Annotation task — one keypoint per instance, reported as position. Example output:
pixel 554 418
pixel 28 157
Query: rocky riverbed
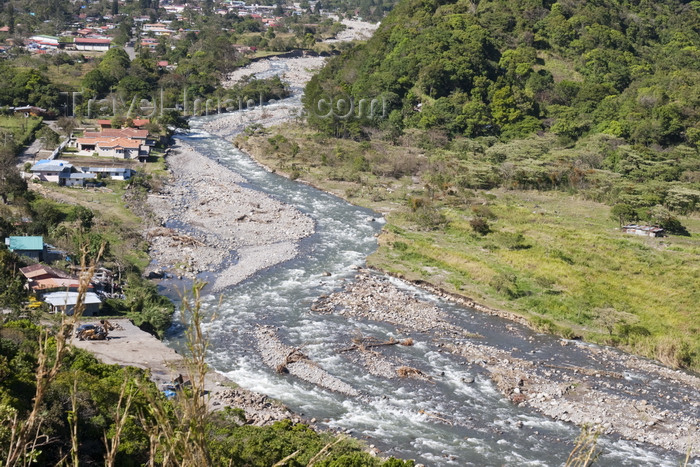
pixel 287 359
pixel 612 392
pixel 210 222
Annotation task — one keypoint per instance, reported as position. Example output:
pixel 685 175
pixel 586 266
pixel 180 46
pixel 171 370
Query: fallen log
pixel 364 344
pixel 295 355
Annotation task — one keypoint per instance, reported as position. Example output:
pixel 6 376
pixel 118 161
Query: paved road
pixel 30 154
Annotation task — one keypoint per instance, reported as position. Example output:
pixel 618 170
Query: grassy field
pixel 20 129
pixel 69 77
pixel 552 256
pixel 113 220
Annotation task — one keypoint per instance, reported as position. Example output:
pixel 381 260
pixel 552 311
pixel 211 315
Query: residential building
pixel 51 170
pixel 76 179
pixel 45 279
pixel 92 44
pixel 65 302
pixel 29 246
pixel 115 173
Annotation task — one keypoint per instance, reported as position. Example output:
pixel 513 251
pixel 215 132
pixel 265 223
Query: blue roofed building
pixel 56 171
pixel 30 246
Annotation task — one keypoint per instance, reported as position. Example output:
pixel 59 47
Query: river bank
pixel 127 345
pixel 211 223
pixel 610 393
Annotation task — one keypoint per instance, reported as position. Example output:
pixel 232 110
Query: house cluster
pixel 66 174
pixel 59 289
pixel 90 42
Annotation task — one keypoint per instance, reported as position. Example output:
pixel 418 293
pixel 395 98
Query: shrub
pixel 507 284
pixel 480 225
pixel 483 211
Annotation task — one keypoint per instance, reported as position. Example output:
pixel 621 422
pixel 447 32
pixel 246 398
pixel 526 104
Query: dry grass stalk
pixel 284 461
pixel 585 452
pixel 73 422
pixel 320 454
pixel 121 415
pixel 179 437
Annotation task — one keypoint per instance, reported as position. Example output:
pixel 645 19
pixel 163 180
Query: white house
pixel 116 147
pixel 51 170
pixel 92 44
pixel 65 302
pixel 76 178
pixel 115 173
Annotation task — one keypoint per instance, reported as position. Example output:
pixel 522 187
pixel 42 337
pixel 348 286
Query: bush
pixel 480 225
pixel 508 284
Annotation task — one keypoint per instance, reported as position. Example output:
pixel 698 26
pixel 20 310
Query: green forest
pixel 509 69
pixel 605 94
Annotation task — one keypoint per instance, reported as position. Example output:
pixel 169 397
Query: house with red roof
pixel 118 143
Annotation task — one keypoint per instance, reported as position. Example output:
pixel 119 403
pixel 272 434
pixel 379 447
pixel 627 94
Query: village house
pixel 28 111
pixel 149 43
pixel 59 290
pixel 51 170
pixel 119 143
pixel 65 302
pixel 115 173
pixel 643 230
pixel 42 279
pixel 29 246
pixel 140 123
pixel 115 147
pixel 43 42
pixel 78 179
pixel 93 44
pixel 158 29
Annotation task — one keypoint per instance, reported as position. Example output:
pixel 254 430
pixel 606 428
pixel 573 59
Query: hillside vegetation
pixel 510 68
pixel 553 256
pixel 598 98
pixel 509 141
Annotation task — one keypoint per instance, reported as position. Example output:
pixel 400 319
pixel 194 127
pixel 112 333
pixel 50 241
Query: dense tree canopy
pixel 508 69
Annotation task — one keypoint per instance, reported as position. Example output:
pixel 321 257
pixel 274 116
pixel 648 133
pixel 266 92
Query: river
pixel 391 414
pixel 458 417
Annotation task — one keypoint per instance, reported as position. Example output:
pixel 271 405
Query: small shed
pixel 643 230
pixel 30 246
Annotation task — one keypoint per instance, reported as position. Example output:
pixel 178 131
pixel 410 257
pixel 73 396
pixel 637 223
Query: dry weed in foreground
pixel 585 452
pixel 26 437
pixel 178 437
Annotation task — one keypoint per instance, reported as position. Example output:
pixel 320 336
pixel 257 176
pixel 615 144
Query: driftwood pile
pixel 366 343
pixel 295 355
pixel 178 238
